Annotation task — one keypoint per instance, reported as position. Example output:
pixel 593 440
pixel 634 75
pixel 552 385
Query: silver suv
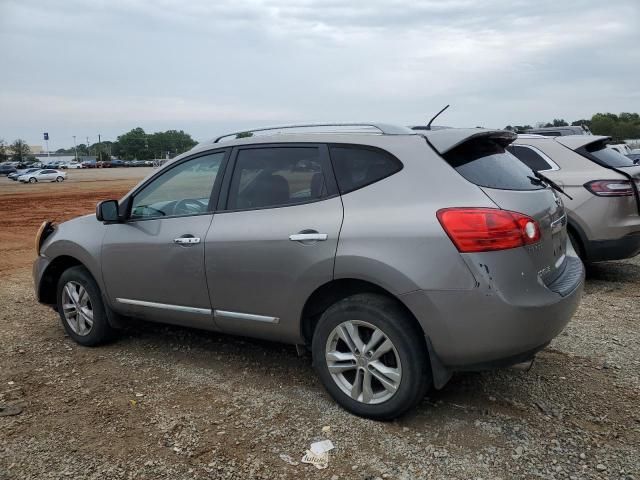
pixel 396 257
pixel 603 211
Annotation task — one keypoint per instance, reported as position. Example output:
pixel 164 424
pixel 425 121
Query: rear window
pixel 604 155
pixel 487 164
pixel 529 157
pixel 357 166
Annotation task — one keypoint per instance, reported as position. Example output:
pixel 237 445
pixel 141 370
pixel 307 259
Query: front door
pixel 153 263
pixel 274 240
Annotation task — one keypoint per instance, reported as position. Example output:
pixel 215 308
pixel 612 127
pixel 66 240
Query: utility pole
pixel 88 151
pixel 75 147
pixel 99 149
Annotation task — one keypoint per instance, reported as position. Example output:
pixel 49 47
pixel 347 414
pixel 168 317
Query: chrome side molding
pixel 245 316
pixel 164 306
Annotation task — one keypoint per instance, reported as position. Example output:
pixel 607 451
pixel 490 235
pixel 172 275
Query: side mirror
pixel 107 211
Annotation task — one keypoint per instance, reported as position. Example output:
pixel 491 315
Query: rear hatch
pixel 595 149
pixel 480 157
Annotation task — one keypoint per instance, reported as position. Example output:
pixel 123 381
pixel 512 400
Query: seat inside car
pixel 269 189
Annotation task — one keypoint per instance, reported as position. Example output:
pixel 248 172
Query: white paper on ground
pixel 321 447
pixel 320 461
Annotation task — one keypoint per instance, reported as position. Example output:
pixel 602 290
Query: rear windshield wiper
pixel 544 179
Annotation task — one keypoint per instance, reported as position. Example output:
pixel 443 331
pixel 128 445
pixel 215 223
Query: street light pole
pixel 75 147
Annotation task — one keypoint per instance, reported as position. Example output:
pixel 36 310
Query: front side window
pixel 275 177
pixel 357 166
pixel 529 157
pixel 182 190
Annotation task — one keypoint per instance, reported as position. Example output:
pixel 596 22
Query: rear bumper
pixel 486 327
pixel 618 249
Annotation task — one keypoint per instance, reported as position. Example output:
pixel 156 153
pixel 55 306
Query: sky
pixel 89 67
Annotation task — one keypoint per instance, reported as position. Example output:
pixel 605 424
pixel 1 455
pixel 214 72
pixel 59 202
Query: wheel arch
pixel 335 290
pixel 578 233
pixel 47 288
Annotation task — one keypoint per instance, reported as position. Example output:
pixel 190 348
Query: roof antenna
pixel 435 116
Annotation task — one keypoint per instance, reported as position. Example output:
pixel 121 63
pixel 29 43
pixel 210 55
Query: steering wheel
pixel 189 206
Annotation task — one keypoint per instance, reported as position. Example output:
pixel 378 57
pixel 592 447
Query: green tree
pixel 20 151
pixel 3 151
pixel 557 122
pixel 620 127
pixel 135 145
pixel 173 142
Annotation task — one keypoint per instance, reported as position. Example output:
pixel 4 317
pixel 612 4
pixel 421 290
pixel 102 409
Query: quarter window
pixel 529 157
pixel 357 166
pixel 276 176
pixel 182 190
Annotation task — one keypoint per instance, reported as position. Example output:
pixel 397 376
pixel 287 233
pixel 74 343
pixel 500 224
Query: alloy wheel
pixel 363 362
pixel 77 308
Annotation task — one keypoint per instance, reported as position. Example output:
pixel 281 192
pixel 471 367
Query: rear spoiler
pixel 574 142
pixel 445 140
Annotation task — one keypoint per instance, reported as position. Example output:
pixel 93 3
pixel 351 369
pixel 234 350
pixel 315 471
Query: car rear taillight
pixel 610 188
pixel 488 229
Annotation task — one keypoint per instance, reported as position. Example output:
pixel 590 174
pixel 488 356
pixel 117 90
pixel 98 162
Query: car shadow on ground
pixel 464 393
pixel 613 272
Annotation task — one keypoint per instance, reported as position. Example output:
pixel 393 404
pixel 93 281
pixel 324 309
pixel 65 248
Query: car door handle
pixel 306 237
pixel 186 240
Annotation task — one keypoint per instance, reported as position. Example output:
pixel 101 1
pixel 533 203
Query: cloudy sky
pixel 80 67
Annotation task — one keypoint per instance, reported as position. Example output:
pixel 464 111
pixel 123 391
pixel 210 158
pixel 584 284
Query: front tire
pixel 81 308
pixel 371 356
pixel 60 179
pixel 32 180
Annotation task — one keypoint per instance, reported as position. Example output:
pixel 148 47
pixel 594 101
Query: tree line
pixel 136 144
pixel 620 127
pixel 133 145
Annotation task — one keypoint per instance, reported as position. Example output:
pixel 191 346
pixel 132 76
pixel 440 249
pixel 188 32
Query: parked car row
pixel 117 163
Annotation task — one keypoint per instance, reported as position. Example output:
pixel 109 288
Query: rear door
pixel 511 185
pixel 273 240
pixel 46 175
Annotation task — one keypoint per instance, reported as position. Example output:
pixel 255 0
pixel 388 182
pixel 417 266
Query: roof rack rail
pixel 383 128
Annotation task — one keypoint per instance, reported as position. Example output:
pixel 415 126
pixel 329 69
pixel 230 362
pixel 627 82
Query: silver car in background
pixel 396 257
pixel 43 175
pixel 604 209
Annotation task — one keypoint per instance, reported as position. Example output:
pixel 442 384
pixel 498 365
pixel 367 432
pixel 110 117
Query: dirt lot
pixel 166 402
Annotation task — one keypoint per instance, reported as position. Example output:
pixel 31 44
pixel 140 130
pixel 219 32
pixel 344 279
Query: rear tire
pixel 577 246
pixel 33 180
pixel 348 360
pixel 81 308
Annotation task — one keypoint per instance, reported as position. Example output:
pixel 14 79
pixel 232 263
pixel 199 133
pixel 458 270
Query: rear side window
pixel 277 177
pixel 604 155
pixel 356 166
pixel 529 157
pixel 487 164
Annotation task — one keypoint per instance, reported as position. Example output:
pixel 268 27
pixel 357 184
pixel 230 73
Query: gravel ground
pixel 167 402
pixel 173 403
